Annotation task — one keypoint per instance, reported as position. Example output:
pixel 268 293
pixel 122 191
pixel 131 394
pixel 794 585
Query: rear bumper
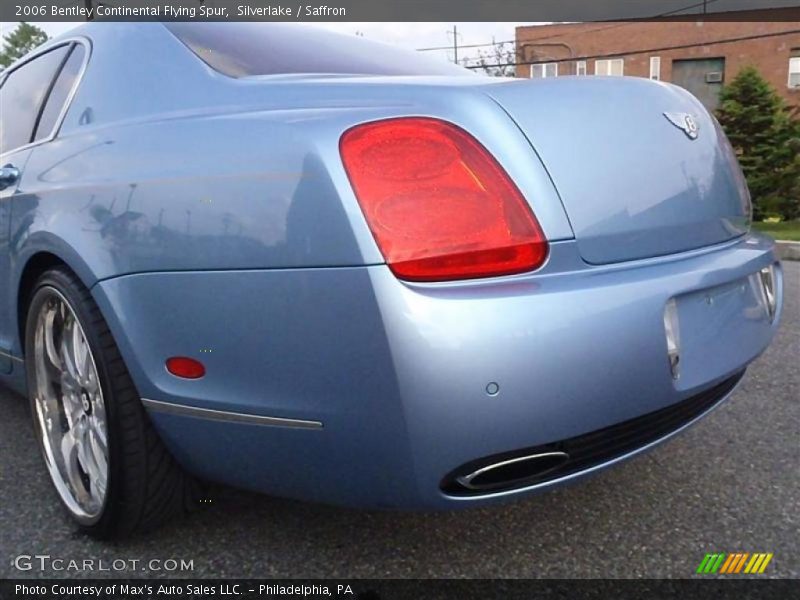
pixel 564 459
pixel 402 378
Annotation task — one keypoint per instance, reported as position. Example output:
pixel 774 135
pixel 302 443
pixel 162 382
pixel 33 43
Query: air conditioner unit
pixel 714 77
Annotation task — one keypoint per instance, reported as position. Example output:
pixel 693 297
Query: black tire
pixel 145 486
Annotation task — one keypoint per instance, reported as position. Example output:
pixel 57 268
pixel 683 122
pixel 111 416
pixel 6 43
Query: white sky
pixel 407 35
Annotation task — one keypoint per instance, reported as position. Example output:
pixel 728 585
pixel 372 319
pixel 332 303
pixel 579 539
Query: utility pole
pixel 455 43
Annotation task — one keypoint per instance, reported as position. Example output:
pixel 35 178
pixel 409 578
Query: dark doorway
pixel 703 77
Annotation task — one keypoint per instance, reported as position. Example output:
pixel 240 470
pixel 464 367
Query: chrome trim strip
pixel 466 480
pixel 221 415
pixel 87 45
pixel 12 357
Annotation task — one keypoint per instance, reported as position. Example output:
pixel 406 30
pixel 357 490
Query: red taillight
pixel 439 205
pixel 187 368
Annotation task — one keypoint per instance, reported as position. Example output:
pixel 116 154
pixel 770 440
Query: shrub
pixel 766 137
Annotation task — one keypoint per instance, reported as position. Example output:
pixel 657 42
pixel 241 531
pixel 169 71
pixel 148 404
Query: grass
pixel 785 230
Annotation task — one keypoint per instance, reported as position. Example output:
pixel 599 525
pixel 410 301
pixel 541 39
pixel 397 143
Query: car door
pixel 9 180
pixel 33 97
pixel 8 185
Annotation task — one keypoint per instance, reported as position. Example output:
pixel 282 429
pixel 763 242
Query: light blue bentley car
pixel 323 268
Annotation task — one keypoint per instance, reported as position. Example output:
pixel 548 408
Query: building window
pixel 544 70
pixel 613 66
pixel 580 67
pixel 655 68
pixel 794 69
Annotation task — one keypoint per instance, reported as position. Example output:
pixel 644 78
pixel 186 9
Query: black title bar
pixel 391 10
pixel 741 588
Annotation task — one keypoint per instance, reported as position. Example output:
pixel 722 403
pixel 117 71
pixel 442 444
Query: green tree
pixel 766 137
pixel 499 61
pixel 21 41
pixel 786 200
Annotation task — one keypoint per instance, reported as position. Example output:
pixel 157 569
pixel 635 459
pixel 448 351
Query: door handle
pixel 9 175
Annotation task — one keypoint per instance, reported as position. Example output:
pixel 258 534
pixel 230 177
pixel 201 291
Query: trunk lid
pixel 634 183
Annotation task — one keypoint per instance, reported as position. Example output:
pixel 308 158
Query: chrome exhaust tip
pixel 513 472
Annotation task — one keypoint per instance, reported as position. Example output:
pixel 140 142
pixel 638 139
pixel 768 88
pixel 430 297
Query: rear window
pixel 59 94
pixel 22 94
pixel 250 49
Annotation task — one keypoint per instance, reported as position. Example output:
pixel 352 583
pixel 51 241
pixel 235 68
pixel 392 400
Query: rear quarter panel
pixel 212 192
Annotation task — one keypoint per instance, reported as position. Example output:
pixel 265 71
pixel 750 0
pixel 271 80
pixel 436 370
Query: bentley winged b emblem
pixel 686 122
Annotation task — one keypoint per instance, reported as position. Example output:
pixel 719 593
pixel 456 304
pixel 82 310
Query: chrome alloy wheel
pixel 70 411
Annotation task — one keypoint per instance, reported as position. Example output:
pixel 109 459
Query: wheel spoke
pixel 67 352
pixel 69 454
pixel 72 408
pixel 52 372
pixel 99 409
pixel 93 460
pixel 92 385
pixel 100 436
pixel 99 451
pixel 49 330
pixel 81 353
pixel 85 456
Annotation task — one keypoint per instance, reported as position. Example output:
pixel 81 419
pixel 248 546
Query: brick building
pixel 700 53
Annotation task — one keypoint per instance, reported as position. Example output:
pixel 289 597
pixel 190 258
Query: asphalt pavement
pixel 731 483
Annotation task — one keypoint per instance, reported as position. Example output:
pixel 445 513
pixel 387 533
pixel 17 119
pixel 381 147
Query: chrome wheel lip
pixel 69 409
